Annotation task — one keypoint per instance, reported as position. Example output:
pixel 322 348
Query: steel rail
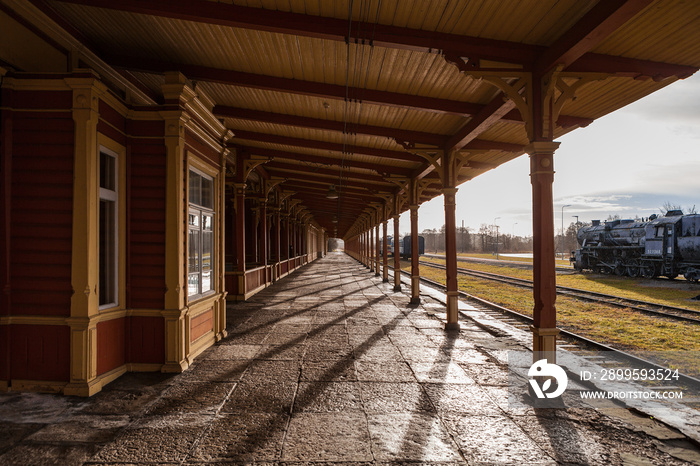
pixel 617 301
pixel 587 341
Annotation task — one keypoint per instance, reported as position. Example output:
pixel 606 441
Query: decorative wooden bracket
pixel 285 194
pixel 520 92
pixel 567 90
pixel 252 163
pixel 268 185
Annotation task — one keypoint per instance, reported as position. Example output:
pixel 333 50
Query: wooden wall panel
pixel 146 340
pixel 5 352
pixel 40 352
pixel 201 324
pixel 42 203
pixel 111 345
pixel 202 150
pixel 147 183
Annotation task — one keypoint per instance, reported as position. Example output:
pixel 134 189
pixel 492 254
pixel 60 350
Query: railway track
pixel 658 310
pixel 568 340
pixel 500 262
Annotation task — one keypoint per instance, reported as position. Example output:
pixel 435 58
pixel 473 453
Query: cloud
pixel 675 103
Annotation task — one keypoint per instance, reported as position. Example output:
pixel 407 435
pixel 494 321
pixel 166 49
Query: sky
pixel 628 163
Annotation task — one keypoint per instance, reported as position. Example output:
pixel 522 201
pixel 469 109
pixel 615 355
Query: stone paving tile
pixel 402 397
pixel 243 339
pixel 242 438
pixel 440 372
pixel 412 437
pixel 260 370
pixel 196 397
pixel 328 352
pixel 565 440
pixel 376 349
pixel 326 397
pixel 151 444
pixel 316 371
pixel 431 354
pixel 286 352
pixel 267 396
pixel 49 454
pixel 328 371
pixel 215 371
pixel 228 352
pixel 285 339
pixel 494 439
pixel 462 398
pixel 327 437
pixel 387 371
pixel 80 429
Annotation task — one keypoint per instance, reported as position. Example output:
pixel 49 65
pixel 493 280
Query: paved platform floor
pixel 329 366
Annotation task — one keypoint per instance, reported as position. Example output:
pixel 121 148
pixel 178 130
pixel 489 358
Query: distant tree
pixel 484 233
pixel 612 217
pixel 668 206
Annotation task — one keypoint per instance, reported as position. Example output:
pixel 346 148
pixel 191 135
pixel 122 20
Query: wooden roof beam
pixel 318 27
pixel 295 86
pixel 323 145
pixel 599 23
pixel 330 161
pixel 493 112
pixel 319 203
pixel 318 123
pixel 326 181
pixel 304 170
pixel 628 67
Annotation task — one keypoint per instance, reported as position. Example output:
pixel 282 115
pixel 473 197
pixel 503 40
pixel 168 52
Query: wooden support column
pixel 376 249
pixel 285 235
pixel 451 259
pixel 6 117
pixel 544 326
pixel 85 260
pixel 397 257
pixel 240 238
pixel 365 249
pixel 371 247
pixel 385 249
pixel 276 272
pixel 263 236
pixel 415 272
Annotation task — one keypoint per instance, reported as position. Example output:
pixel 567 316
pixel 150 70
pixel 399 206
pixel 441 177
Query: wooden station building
pixel 161 157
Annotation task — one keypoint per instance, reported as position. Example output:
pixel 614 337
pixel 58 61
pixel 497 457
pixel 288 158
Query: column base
pixel 84 389
pixel 174 367
pixel 397 288
pixel 385 280
pixel 452 309
pixel 452 327
pixel 415 289
pixel 377 274
pixel 544 343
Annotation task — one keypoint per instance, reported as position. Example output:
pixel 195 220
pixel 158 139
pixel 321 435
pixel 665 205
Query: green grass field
pixel 621 328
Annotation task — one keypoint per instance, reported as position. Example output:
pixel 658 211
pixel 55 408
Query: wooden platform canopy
pixel 369 96
pixel 384 103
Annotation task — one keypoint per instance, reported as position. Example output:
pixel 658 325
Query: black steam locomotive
pixel 658 246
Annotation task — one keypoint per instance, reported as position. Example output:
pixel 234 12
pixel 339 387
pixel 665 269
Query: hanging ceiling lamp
pixel 332 193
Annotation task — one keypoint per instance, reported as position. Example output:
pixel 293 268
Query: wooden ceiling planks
pixel 253 59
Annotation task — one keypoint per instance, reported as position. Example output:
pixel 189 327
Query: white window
pixel 200 257
pixel 108 230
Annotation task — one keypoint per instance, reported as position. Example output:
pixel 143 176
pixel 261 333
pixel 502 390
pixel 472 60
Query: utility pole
pixel 494 224
pixel 562 229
